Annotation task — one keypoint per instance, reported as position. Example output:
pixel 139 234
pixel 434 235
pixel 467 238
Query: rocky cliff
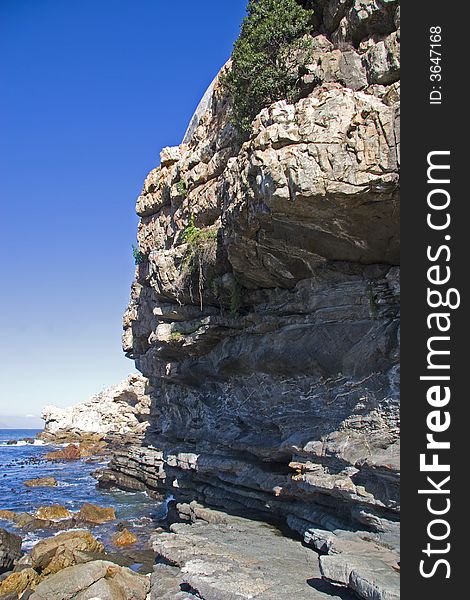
pixel 120 409
pixel 265 306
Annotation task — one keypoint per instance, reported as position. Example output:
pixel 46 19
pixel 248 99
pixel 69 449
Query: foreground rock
pixel 64 550
pixel 17 583
pixel 120 409
pixel 369 576
pixel 10 549
pixel 97 579
pixel 355 559
pixel 236 558
pixel 41 482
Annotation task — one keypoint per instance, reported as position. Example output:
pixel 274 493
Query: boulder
pixel 64 550
pixel 125 538
pixel 70 452
pixel 41 482
pixel 7 515
pixel 20 519
pixel 96 579
pixel 29 522
pixel 96 514
pixel 382 60
pixel 49 518
pixel 24 562
pixel 370 577
pixel 10 549
pixel 54 512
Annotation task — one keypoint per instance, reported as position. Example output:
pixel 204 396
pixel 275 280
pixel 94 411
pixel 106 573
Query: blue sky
pixel 91 91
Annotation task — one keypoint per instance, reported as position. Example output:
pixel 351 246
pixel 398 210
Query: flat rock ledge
pixel 238 560
pixel 223 557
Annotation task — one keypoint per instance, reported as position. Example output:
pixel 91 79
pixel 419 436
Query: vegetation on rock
pixel 267 58
pixel 201 251
pixel 182 188
pixel 138 256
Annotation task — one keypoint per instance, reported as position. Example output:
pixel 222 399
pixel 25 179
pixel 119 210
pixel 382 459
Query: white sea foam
pixel 23 443
pixel 29 541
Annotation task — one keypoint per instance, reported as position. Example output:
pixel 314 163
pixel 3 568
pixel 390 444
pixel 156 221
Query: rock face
pixel 265 308
pixel 10 549
pixel 121 409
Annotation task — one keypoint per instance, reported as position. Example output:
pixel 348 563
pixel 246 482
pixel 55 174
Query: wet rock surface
pixel 70 452
pixel 41 482
pixel 54 512
pixel 124 538
pixel 96 514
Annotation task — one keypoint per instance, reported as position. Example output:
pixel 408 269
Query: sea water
pixel 21 461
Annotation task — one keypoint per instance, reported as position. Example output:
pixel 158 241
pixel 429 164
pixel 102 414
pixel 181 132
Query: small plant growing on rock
pixel 201 251
pixel 191 232
pixel 182 188
pixel 267 58
pixel 138 256
pixel 176 336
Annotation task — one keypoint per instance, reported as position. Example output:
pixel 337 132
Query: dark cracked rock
pixel 10 549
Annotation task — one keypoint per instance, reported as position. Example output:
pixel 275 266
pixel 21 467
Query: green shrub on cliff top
pixel 266 58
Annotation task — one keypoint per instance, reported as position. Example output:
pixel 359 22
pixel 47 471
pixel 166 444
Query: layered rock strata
pixel 119 410
pixel 265 307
